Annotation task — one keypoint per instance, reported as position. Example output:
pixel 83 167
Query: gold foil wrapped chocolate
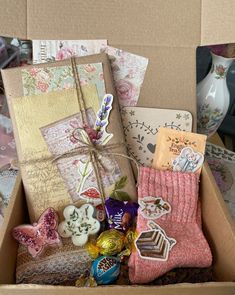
pixel 111 242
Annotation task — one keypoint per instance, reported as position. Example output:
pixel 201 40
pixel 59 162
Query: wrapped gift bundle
pixel 68 133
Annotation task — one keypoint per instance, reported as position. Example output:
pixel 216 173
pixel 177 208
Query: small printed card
pixel 52 50
pixel 179 151
pixel 141 126
pixel 222 164
pixel 128 74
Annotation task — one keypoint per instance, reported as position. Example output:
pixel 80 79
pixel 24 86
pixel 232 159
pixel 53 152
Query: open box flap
pixel 13 18
pixel 172 23
pixel 132 22
pixel 217 22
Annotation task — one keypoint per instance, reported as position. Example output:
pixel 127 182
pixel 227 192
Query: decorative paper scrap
pixel 179 151
pixel 222 164
pixel 52 50
pixel 141 127
pixel 43 80
pixel 154 244
pixel 128 73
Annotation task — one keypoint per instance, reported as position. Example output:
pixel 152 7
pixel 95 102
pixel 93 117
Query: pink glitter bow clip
pixel 39 235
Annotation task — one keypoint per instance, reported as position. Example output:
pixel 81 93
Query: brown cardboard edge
pixel 220 230
pixel 180 289
pixel 13 18
pixel 17 19
pixel 224 208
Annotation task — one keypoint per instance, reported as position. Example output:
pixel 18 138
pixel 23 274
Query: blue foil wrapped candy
pixel 105 270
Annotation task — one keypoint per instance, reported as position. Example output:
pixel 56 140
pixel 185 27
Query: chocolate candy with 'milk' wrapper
pixel 120 214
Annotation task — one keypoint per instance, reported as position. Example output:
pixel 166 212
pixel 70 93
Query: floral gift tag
pixel 79 224
pixel 179 151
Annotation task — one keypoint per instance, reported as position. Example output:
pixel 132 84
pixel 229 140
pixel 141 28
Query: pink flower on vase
pixel 42 86
pixel 89 68
pixel 64 53
pixel 125 90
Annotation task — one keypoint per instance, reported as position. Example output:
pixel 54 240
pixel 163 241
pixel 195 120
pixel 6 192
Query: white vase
pixel 213 96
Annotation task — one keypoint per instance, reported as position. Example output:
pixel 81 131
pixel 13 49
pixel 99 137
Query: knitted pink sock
pixel 180 222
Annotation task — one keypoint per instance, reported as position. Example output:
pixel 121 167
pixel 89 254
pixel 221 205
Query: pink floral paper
pixel 60 138
pixel 43 80
pixel 128 73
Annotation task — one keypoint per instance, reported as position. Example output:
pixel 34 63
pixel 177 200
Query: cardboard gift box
pixel 168 33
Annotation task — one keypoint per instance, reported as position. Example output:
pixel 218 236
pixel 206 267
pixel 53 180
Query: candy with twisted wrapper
pixel 112 242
